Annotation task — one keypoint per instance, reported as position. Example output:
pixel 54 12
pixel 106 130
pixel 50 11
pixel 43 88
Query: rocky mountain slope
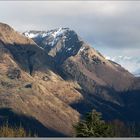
pixel 48 80
pixel 29 87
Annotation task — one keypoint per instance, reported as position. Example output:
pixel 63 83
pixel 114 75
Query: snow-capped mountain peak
pixel 55 33
pixel 56 41
pixel 51 36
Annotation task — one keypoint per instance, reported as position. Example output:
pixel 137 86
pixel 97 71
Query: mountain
pixel 131 63
pixel 102 81
pixel 50 79
pixel 137 73
pixel 65 46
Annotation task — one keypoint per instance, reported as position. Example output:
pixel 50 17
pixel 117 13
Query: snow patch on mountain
pixel 31 35
pixel 58 32
pixel 52 36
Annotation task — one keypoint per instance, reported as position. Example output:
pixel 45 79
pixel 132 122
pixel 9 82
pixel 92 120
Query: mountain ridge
pixel 79 65
pixel 57 83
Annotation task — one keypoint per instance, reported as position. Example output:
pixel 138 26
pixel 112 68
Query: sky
pixel 111 27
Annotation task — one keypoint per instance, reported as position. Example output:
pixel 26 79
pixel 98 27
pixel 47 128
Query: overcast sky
pixel 111 27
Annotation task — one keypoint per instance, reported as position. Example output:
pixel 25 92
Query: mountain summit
pixel 49 79
pixel 65 46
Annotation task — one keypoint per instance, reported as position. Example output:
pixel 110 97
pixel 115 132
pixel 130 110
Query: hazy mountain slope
pixel 131 63
pixel 137 73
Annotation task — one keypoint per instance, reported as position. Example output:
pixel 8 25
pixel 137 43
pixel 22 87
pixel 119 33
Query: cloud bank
pixel 112 27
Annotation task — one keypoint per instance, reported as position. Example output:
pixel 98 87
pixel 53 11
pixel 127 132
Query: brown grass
pixel 7 131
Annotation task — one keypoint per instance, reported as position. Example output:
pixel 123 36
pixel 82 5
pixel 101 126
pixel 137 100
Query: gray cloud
pixel 107 25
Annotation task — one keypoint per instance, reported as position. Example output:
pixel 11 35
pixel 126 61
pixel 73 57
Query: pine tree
pixel 93 126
